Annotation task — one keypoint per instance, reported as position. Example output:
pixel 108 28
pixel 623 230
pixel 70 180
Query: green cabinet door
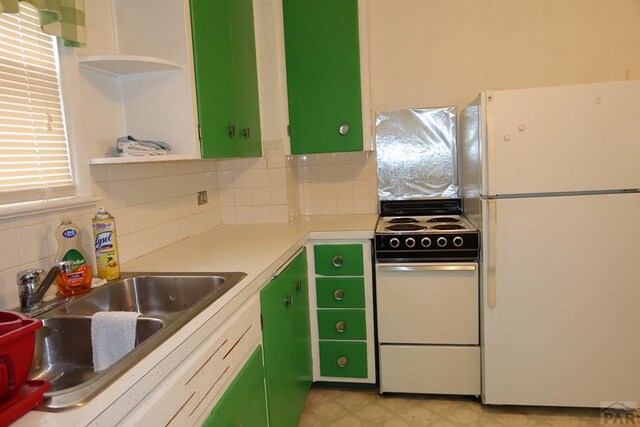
pixel 243 403
pixel 287 343
pixel 339 260
pixel 226 77
pixel 323 75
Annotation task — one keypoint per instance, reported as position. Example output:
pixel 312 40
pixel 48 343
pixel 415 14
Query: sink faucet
pixel 31 290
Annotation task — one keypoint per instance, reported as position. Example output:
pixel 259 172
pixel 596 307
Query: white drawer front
pixel 430 369
pixel 428 307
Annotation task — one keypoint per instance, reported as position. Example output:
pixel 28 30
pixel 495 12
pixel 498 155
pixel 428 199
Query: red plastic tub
pixel 17 342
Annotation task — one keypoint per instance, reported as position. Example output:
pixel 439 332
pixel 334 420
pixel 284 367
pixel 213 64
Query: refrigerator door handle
pixel 492 253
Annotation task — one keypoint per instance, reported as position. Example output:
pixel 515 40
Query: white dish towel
pixel 113 334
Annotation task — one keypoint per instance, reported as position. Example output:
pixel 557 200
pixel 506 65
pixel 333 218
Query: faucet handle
pixel 30 277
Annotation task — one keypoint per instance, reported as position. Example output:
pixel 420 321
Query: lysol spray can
pixel 104 238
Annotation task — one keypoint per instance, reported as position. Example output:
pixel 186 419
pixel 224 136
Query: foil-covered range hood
pixel 416 154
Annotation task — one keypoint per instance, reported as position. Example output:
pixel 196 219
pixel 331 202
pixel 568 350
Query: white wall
pixel 434 52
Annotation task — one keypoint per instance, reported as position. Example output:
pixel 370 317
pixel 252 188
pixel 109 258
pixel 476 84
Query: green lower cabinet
pixel 343 359
pixel 286 339
pixel 244 402
pixel 340 292
pixel 338 260
pixel 342 325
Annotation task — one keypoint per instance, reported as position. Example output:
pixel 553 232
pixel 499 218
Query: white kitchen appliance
pixel 426 259
pixel 551 177
pixel 427 299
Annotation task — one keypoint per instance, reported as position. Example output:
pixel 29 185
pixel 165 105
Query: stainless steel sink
pixel 167 301
pixel 62 355
pixel 148 294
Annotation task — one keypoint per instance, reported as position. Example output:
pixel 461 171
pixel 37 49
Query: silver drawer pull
pixel 337 261
pixel 287 300
pixel 299 285
pixel 343 361
pixel 344 129
pixel 341 326
pixel 338 295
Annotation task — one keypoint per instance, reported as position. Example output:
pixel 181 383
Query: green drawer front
pixel 351 322
pixel 338 260
pixel 343 359
pixel 342 292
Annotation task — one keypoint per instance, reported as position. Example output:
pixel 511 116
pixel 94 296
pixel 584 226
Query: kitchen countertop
pixel 256 249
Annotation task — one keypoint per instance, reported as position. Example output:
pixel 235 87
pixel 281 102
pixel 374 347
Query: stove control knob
pixel 442 242
pixel 394 242
pixel 457 241
pixel 410 242
pixel 425 242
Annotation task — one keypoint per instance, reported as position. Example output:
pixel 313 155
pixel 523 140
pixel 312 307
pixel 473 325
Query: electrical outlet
pixel 202 198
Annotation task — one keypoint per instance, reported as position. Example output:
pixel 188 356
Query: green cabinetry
pixel 243 403
pixel 323 75
pixel 287 343
pixel 342 325
pixel 226 78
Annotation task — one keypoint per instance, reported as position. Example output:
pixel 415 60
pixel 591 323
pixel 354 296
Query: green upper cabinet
pixel 286 339
pixel 323 75
pixel 226 78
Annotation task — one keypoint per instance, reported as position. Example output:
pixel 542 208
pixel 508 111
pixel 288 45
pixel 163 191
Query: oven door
pixel 428 303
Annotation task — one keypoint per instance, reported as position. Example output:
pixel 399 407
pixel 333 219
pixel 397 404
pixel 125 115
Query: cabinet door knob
pixel 287 300
pixel 343 361
pixel 246 132
pixel 299 285
pixel 341 326
pixel 232 130
pixel 337 261
pixel 338 295
pixel 344 129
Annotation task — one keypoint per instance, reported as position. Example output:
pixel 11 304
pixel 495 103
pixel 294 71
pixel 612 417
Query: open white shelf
pixel 138 159
pixel 128 64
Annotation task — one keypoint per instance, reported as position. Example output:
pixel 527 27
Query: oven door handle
pixel 427 267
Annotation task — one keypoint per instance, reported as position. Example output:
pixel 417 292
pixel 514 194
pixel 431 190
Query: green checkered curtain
pixel 61 18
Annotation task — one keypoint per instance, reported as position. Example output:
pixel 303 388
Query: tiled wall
pixel 337 183
pixel 155 203
pixel 255 190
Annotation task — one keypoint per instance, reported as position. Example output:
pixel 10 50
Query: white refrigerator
pixel 551 177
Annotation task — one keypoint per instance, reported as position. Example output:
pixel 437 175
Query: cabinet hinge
pixel 261 321
pixel 199 133
pixel 288 130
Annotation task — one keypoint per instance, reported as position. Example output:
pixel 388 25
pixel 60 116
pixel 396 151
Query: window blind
pixel 34 154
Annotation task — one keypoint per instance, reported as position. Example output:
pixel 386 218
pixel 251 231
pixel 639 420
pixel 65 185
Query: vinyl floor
pixel 365 407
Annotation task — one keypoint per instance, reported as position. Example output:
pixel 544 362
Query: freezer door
pixel 562 139
pixel 560 291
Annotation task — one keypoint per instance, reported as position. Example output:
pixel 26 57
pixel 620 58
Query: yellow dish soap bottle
pixel 78 279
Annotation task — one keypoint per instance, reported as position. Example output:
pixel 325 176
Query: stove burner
pixel 402 220
pixel 448 227
pixel 404 227
pixel 444 219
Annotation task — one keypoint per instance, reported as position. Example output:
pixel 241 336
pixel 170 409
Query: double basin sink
pixel 166 301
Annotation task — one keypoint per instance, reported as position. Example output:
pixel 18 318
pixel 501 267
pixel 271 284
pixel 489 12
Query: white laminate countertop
pixel 255 249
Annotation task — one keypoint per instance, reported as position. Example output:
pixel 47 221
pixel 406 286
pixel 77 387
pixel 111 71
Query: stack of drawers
pixel 342 311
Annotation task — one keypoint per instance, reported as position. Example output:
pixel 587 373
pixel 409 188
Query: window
pixel 34 154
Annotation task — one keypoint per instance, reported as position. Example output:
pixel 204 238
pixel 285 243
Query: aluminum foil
pixel 416 153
